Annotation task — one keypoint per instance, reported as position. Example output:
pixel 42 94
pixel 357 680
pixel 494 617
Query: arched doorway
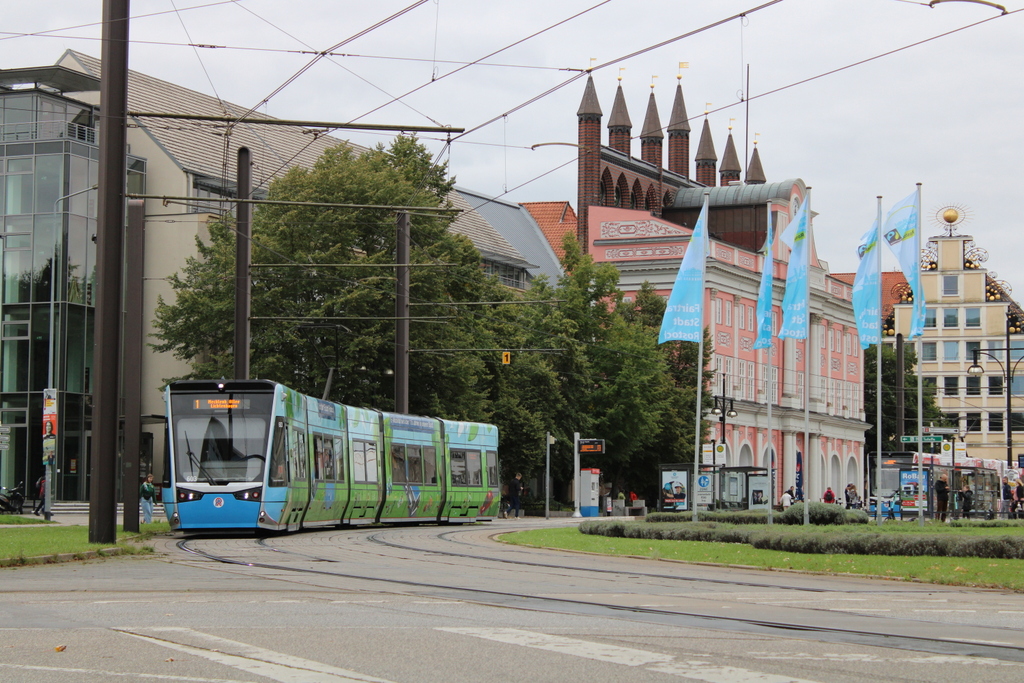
pixel 746 456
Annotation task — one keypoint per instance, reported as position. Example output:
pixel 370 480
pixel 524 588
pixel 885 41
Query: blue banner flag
pixel 684 315
pixel 764 292
pixel 867 290
pixel 900 231
pixel 794 303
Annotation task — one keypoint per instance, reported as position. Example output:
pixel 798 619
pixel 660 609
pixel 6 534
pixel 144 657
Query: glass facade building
pixel 48 172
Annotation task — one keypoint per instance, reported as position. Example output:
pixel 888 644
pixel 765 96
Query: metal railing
pixel 46 130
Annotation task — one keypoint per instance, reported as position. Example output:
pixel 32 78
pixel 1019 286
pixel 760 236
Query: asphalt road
pixel 424 604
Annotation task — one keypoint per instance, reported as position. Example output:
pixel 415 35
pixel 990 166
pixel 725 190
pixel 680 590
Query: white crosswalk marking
pixel 652 661
pixel 276 666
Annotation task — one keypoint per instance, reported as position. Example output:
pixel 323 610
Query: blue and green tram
pixel 254 454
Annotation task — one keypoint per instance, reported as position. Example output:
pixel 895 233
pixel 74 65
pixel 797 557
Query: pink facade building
pixel 636 215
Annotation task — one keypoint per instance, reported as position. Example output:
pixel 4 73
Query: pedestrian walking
pixel 147 494
pixel 942 496
pixel 787 499
pixel 966 496
pixel 40 495
pixel 852 497
pixel 515 489
pixel 1005 497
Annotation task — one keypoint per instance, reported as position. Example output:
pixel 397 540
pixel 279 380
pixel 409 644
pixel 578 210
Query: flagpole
pixel 920 381
pixel 769 396
pixel 807 373
pixel 878 376
pixel 700 370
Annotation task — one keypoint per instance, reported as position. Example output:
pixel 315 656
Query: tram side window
pixel 412 459
pixel 297 453
pixel 492 469
pixel 398 464
pixel 473 469
pixel 429 465
pixel 323 457
pixel 338 452
pixel 279 457
pixel 358 461
pixel 364 461
pixel 371 462
pixel 318 456
pixel 458 467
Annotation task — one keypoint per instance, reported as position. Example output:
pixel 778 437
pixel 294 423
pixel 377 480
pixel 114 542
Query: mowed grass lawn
pixel 958 571
pixel 18 544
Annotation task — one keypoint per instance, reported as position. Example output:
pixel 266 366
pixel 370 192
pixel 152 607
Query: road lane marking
pixel 260 661
pixel 614 654
pixel 101 672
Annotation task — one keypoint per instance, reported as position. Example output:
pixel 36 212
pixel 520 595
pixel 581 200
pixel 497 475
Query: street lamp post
pixel 1008 372
pixel 723 408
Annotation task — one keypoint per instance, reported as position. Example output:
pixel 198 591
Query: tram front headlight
pixel 186 495
pixel 254 494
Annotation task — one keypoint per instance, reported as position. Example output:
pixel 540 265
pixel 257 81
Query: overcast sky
pixel 946 113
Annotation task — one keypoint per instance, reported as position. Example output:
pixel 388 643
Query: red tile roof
pixel 892 282
pixel 555 220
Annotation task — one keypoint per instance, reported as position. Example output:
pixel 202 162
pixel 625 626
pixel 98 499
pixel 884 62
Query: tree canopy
pixel 583 358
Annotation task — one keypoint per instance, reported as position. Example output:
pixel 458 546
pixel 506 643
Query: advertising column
pixel 49 445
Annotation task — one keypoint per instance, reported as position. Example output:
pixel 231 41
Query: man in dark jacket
pixel 942 496
pixel 515 488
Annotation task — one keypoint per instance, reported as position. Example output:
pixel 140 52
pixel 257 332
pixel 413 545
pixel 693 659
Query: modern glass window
pixel 929 317
pixel 972 422
pixel 951 317
pixel 929 351
pixel 995 422
pixel 969 349
pixel 950 285
pixel 951 386
pixel 995 385
pixel 973 385
pixel 972 317
pixel 950 350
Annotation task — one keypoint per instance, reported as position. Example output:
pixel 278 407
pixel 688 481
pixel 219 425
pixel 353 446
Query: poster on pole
pixel 909 489
pixel 757 492
pixel 673 490
pixel 49 426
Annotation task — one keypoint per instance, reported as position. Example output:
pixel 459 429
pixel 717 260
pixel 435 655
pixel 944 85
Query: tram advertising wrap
pixel 254 454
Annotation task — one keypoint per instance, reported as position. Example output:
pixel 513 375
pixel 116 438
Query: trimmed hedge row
pixel 859 543
pixel 822 514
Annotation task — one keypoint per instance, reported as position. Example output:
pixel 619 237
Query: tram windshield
pixel 220 439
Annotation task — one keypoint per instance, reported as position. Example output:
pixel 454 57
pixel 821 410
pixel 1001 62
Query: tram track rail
pixel 674 617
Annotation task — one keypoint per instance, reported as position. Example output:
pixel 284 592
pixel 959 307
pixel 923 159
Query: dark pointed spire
pixel 619 126
pixel 755 174
pixel 652 122
pixel 620 116
pixel 589 106
pixel 730 169
pixel 706 146
pixel 679 135
pixel 651 136
pixel 705 159
pixel 678 120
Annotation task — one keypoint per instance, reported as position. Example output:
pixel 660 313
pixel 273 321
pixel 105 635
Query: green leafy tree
pixel 891 382
pixel 198 325
pixel 674 442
